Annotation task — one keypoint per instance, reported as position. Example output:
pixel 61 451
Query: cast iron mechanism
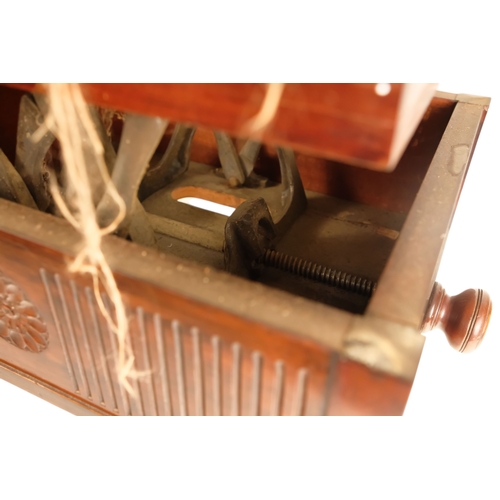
pixel 251 229
pixel 248 232
pixel 173 163
pixel 317 272
pixel 238 167
pixel 464 318
pixel 264 211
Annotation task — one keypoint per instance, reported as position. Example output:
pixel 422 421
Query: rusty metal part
pixel 96 180
pixel 42 103
pixel 251 230
pixel 12 186
pixel 238 168
pixel 109 150
pixel 140 228
pixel 229 159
pixel 30 155
pixel 173 163
pixel 207 237
pixel 140 137
pixel 317 272
pixel 248 155
pixel 248 232
pixel 293 200
pixel 285 202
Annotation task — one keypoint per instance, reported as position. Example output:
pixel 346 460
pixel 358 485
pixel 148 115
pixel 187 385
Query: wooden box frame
pixel 213 343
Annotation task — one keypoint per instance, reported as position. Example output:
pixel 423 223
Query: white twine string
pixel 268 109
pixel 70 121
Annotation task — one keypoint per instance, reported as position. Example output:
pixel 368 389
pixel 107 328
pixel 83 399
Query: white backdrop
pixel 447 383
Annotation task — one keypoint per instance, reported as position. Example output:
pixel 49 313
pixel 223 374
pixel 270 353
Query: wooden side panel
pixel 394 191
pixel 194 359
pixel 358 391
pixel 346 122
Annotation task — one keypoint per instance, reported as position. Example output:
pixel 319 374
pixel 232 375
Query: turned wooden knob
pixel 464 318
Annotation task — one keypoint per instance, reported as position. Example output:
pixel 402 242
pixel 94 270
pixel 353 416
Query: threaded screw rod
pixel 317 272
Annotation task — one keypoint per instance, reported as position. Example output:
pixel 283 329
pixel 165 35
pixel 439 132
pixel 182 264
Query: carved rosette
pixel 20 321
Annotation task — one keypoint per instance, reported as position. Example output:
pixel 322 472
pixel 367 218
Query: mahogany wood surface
pixel 200 359
pixel 393 191
pixel 406 283
pixel 345 122
pixel 362 391
pixel 50 393
pixel 464 317
pixel 73 319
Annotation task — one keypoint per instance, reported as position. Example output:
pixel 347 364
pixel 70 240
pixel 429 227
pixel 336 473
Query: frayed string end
pixel 70 121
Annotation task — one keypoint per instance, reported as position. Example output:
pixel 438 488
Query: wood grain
pixel 346 122
pixel 201 358
pixel 183 352
pixel 195 359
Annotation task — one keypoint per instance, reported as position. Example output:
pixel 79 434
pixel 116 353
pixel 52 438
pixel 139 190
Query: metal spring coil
pixel 317 272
